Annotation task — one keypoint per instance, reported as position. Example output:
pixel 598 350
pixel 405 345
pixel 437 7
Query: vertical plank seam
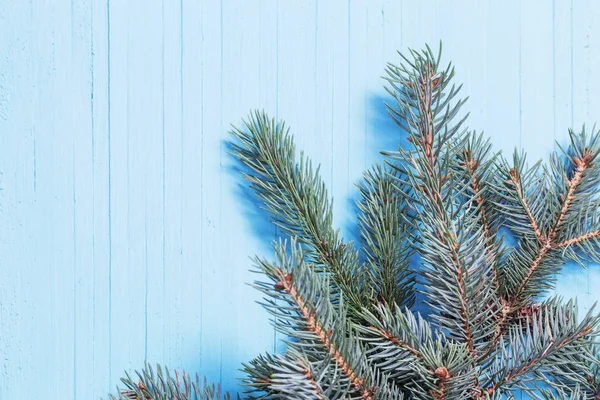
pixel 554 70
pixel 572 63
pixel 520 76
pixel 181 163
pixel 109 198
pixel 74 276
pixel 93 132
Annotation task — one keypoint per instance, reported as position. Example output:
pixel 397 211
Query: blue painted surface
pixel 125 231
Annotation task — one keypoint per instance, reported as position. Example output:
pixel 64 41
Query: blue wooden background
pixel 125 229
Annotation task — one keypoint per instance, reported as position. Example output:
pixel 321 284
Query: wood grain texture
pixel 126 229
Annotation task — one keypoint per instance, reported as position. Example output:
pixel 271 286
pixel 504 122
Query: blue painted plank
pixel 101 228
pixel 502 123
pixel 562 68
pixel 55 183
pixel 536 77
pixel 16 195
pixel 83 198
pixel 168 308
pixel 187 172
pixel 213 273
pixel 327 42
pixel 383 133
pixel 255 220
pixel 149 88
pixel 143 68
pixel 121 293
pixel 357 99
pixel 469 60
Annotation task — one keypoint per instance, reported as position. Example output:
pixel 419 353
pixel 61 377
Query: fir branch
pixel 257 379
pixel 456 269
pixel 544 342
pixel 295 195
pixel 319 327
pixel 149 384
pixel 519 194
pixel 515 180
pixel 525 268
pixel 478 165
pixel 575 393
pixel 548 243
pixel 289 376
pixel 404 346
pixel 592 377
pixel 387 237
pixel 285 280
pixel 397 341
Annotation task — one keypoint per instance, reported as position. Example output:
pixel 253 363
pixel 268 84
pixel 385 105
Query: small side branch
pixel 579 239
pixel 514 179
pixel 395 340
pixel 524 368
pixel 549 242
pixel 471 166
pixel 285 283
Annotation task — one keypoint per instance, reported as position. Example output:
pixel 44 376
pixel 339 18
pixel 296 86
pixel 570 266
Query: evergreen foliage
pixel 490 233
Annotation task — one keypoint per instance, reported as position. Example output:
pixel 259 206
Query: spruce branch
pixel 404 346
pixel 516 181
pixel 319 327
pixel 529 270
pixel 387 237
pixel 296 197
pixel 458 267
pixel 549 341
pixel 592 375
pixel 398 342
pixel 289 376
pixel 159 384
pixel 478 165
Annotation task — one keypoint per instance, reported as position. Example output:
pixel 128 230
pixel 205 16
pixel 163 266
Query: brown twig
pixel 592 387
pixel 578 239
pixel 309 377
pixel 463 312
pixel 463 302
pixel 442 376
